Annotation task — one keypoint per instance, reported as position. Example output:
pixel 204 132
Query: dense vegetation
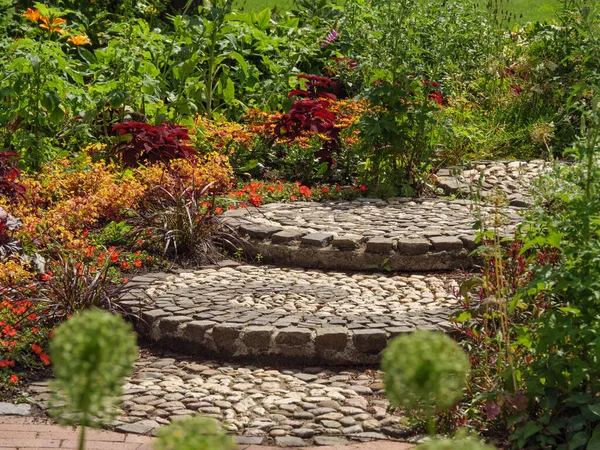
pixel 128 127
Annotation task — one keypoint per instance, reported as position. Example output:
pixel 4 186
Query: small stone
pixel 258 337
pixel 371 425
pixel 141 427
pixel 446 243
pixel 170 324
pixel 348 421
pixel 347 242
pixel 290 441
pixel 276 432
pixel 293 336
pixel 225 335
pixel 352 430
pixel 304 415
pixel 317 239
pixel 305 433
pixel 249 440
pixel 330 440
pixel 287 236
pixel 8 409
pixel 331 338
pixel 306 376
pixel 380 245
pixel 259 231
pixel 331 424
pixel 406 246
pixel 369 341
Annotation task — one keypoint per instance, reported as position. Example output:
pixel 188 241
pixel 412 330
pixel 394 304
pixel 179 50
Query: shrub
pixel 144 143
pixel 194 433
pixel 424 372
pixel 92 353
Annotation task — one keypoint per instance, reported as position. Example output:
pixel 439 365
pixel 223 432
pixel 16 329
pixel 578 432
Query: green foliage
pixel 193 433
pixel 92 353
pixel 424 372
pixel 462 441
pixel 113 233
pixel 563 378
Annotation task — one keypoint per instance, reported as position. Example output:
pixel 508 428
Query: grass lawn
pixel 530 9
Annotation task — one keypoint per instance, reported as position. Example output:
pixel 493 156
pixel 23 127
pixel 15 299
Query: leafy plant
pixel 9 172
pixel 194 433
pixel 91 353
pixel 424 372
pixel 144 143
pixel 75 286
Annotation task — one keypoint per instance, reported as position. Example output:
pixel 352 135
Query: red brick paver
pixel 31 433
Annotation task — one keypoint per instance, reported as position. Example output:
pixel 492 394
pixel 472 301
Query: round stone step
pixel 290 314
pixel 399 234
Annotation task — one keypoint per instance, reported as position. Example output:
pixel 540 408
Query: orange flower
pixel 137 263
pixel 124 265
pixel 80 40
pixel 14 378
pixel 53 26
pixel 114 257
pixel 32 14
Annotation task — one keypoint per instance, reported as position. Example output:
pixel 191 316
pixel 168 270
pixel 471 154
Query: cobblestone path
pixel 290 314
pixel 261 405
pixel 319 304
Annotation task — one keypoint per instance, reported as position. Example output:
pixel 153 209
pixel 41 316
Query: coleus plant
pixel 9 172
pixel 140 142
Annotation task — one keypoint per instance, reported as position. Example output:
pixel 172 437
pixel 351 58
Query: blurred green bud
pixel 91 353
pixel 424 371
pixel 194 433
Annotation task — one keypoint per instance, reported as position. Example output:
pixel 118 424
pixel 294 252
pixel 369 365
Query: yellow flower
pixel 53 26
pixel 32 14
pixel 80 40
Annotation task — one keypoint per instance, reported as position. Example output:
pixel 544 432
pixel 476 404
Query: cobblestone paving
pixel 479 180
pixel 259 404
pixel 259 311
pixel 416 235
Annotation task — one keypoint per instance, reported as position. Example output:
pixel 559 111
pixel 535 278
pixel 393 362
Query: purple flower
pixel 332 36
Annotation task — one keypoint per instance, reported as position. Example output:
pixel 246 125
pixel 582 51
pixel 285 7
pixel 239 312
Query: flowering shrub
pixel 23 334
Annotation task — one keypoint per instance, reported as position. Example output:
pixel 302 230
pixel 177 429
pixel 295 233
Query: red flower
pixel 124 265
pixel 45 359
pixel 271 189
pixel 305 191
pixel 125 280
pixel 36 349
pixel 14 378
pixel 34 330
pixel 363 187
pixel 114 257
pixel 45 277
pixel 231 207
pixel 325 190
pixel 338 188
pixel 293 198
pixel 256 200
pixel 219 210
pixel 137 263
pixel 7 363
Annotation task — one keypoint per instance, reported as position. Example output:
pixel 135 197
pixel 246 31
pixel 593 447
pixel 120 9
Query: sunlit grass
pixel 524 10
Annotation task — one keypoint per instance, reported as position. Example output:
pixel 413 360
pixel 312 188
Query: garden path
pixel 298 317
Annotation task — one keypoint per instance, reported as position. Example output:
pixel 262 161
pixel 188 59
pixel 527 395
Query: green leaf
pixel 86 55
pixel 263 18
pixel 228 90
pixel 595 409
pixel 241 61
pixel 594 442
pixel 530 429
pixel 463 317
pixel 578 440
